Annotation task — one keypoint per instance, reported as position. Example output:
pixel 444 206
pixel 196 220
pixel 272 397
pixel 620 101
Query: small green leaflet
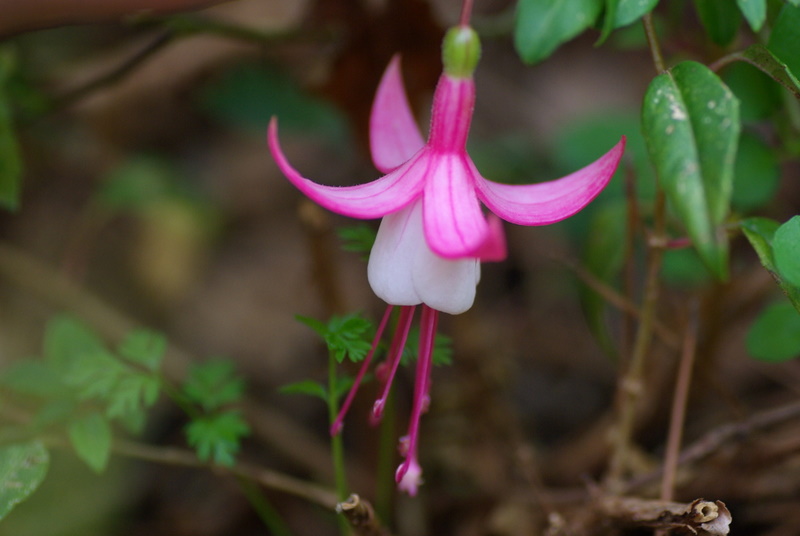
pixel 217 437
pixel 213 384
pixel 145 348
pixel 91 438
pixel 23 466
pixel 690 121
pixel 316 389
pixel 345 335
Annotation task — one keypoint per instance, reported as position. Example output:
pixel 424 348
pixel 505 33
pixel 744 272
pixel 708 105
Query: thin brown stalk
pixel 679 403
pixel 265 477
pixel 620 302
pixel 630 386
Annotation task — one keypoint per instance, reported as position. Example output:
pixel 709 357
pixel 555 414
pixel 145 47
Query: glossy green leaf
pixel 761 232
pixel 756 174
pixel 542 25
pixel 763 58
pixel 22 468
pixel 629 11
pixel 609 20
pixel 784 40
pixel 754 11
pixel 91 438
pixel 775 335
pixel 720 20
pixel 786 250
pixel 10 161
pixel 690 121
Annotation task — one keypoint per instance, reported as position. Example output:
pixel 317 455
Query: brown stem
pixel 652 41
pixel 678 415
pixel 265 477
pixel 630 386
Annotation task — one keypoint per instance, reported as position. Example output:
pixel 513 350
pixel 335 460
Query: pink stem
pixel 394 358
pixel 466 12
pixel 336 426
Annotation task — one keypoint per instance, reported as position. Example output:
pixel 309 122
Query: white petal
pixel 390 261
pixel 404 271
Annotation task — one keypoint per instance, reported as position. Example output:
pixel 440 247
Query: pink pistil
pixel 409 473
pixel 336 426
pixel 393 359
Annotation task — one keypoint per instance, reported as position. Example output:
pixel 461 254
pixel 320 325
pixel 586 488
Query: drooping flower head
pixel 434 231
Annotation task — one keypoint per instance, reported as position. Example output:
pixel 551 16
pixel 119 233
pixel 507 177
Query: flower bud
pixel 461 50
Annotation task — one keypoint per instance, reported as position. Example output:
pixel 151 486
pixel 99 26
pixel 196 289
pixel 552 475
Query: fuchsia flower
pixel 434 232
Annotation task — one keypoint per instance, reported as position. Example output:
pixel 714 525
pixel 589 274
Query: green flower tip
pixel 461 50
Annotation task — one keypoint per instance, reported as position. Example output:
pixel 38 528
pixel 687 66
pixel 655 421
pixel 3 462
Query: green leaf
pixel 217 437
pixel 690 121
pixel 319 327
pixel 248 95
pixel 91 438
pixel 786 251
pixel 775 335
pixel 131 393
pixel 34 377
pixel 10 161
pixel 344 335
pixel 759 95
pixel 629 11
pixel 145 348
pixel 358 238
pixel 784 40
pixel 94 375
pixel 306 387
pixel 763 58
pixel 213 384
pixel 756 174
pixel 442 348
pixel 542 25
pixel 609 20
pixel 22 468
pixel 67 338
pixel 760 232
pixel 754 11
pixel 720 21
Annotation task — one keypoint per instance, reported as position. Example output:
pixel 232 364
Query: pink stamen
pixel 394 358
pixel 427 334
pixel 337 424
